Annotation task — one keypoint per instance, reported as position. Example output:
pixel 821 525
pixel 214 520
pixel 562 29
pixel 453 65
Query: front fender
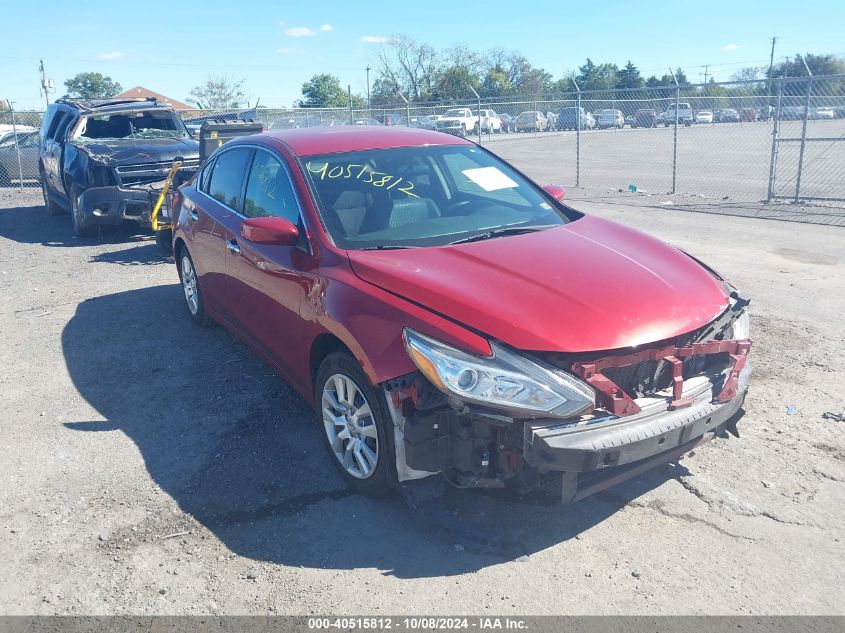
pixel 369 321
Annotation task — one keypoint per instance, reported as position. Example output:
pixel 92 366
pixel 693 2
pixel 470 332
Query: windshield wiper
pixel 506 230
pixel 384 247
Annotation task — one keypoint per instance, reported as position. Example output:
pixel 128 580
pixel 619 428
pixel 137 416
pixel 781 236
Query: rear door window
pixel 227 179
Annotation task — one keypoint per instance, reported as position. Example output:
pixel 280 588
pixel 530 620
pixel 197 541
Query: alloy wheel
pixel 189 285
pixel 350 426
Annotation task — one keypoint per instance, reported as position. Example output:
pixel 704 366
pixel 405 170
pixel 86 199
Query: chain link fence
pixel 705 144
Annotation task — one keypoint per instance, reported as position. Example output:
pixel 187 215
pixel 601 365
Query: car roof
pixel 113 105
pixel 351 138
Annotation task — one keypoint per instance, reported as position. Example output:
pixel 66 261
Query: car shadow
pixel 32 225
pixel 241 452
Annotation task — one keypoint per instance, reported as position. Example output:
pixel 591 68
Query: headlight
pixel 505 380
pixel 740 328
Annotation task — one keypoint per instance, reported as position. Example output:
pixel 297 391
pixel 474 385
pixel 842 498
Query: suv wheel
pixel 79 227
pixel 52 207
pixel 355 425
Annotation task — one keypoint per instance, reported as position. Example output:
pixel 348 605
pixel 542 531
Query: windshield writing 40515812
pixel 365 173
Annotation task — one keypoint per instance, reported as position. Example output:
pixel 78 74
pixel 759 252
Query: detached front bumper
pixel 113 205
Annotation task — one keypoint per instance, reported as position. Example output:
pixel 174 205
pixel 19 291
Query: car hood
pixel 134 151
pixel 589 285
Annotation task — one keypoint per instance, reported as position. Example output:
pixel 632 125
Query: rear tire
pixel 356 425
pixel 164 241
pixel 191 289
pixel 52 207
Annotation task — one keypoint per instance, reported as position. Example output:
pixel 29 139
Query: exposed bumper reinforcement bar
pixel 613 441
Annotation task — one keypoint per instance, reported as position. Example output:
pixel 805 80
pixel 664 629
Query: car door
pixel 212 215
pixel 263 282
pixel 50 149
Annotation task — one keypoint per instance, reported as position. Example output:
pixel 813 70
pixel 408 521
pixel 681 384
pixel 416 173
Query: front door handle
pixel 193 215
pixel 233 247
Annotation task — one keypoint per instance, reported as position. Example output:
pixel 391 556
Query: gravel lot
pixel 152 467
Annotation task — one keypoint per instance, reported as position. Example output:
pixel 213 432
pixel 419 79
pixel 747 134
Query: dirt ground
pixel 152 467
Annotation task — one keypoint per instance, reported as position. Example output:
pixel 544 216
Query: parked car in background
pixel 748 115
pixel 793 113
pixel 823 113
pixel 727 115
pixel 366 121
pixel 568 118
pixel 100 159
pixel 490 121
pixel 458 121
pixel 299 120
pixel 609 118
pixel 507 122
pixel 704 116
pixel 645 117
pixel 683 114
pixel 7 131
pixel 839 112
pixel 660 119
pixel 409 286
pixel 12 171
pixel 424 122
pixel 629 120
pixel 551 120
pixel 531 121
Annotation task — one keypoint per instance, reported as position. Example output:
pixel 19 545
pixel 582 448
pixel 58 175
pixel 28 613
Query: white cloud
pixel 730 47
pixel 375 39
pixel 110 56
pixel 290 50
pixel 326 28
pixel 300 31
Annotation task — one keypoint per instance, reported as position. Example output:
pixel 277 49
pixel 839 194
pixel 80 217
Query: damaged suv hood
pixel 132 151
pixel 585 286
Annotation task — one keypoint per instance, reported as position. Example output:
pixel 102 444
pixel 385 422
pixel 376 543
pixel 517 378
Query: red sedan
pixel 447 316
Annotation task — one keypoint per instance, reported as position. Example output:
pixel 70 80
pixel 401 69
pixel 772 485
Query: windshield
pixel 455 112
pixel 131 125
pixel 423 196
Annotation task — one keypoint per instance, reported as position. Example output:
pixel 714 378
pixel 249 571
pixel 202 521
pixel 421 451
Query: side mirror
pixel 555 191
pixel 270 230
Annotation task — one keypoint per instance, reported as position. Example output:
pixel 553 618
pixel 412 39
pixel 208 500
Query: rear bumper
pixel 611 441
pixel 112 205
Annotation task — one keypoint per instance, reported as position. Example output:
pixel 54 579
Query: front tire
pixel 79 227
pixel 356 425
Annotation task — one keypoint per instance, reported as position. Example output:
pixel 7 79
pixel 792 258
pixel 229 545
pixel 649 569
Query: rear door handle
pixel 233 247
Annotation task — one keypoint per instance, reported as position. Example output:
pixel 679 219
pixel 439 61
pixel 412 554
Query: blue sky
pixel 275 46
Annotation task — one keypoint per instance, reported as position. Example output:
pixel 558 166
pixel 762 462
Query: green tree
pixel 218 93
pixel 92 86
pixel 629 77
pixel 323 91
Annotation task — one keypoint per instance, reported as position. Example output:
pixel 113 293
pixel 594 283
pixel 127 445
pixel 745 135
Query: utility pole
pixel 368 90
pixel 46 84
pixel 772 61
pixel 706 69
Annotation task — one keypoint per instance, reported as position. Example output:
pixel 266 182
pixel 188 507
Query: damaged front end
pixel 576 424
pixel 128 191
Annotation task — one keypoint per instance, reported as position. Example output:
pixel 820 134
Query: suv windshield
pixel 131 125
pixel 424 196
